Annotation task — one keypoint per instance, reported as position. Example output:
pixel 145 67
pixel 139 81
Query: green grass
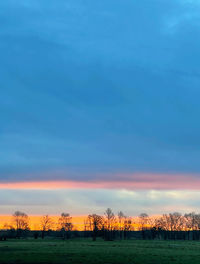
pixel 86 252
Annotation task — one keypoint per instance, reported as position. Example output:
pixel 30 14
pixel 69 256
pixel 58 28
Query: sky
pixel 99 106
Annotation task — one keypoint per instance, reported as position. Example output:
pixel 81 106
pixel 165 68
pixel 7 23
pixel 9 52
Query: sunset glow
pixel 35 221
pixel 144 181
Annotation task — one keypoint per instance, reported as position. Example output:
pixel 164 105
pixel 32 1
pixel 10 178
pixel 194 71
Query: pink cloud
pixel 131 181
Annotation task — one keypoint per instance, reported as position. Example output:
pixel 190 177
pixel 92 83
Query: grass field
pixel 86 251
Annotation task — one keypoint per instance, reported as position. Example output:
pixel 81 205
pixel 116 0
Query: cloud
pixel 99 88
pixel 137 181
pixel 83 202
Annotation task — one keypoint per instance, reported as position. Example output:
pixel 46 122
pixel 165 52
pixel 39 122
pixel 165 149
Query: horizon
pixel 79 223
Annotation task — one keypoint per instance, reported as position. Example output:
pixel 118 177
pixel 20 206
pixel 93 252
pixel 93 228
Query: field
pixel 86 251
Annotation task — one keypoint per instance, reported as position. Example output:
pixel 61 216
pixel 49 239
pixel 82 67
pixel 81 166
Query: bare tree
pixel 143 221
pixel 171 222
pixel 109 219
pixel 121 223
pixel 121 218
pixel 65 223
pixel 192 221
pixel 162 222
pixel 46 224
pixel 109 224
pixel 20 222
pixel 95 223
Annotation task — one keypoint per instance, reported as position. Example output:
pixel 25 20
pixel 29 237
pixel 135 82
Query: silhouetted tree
pixel 65 223
pixel 109 219
pixel 96 224
pixel 127 226
pixel 171 222
pixel 121 218
pixel 20 222
pixel 143 221
pixel 192 221
pixel 46 224
pixel 109 224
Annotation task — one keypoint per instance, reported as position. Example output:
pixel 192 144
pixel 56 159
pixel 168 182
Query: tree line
pixel 110 226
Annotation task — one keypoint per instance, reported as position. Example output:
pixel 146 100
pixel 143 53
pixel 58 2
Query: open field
pixel 86 251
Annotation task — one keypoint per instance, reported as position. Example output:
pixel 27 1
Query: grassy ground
pixel 86 251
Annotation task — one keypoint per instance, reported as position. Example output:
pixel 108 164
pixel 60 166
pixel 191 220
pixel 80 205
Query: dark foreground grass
pixel 86 252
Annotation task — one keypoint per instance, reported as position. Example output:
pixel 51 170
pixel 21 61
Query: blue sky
pixel 90 90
